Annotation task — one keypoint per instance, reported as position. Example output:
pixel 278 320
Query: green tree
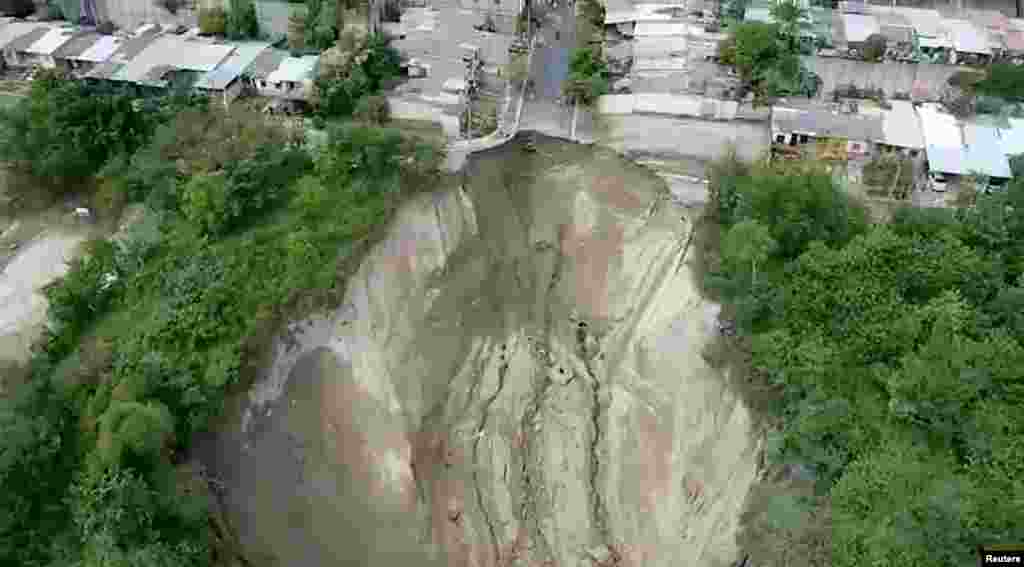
pixel 373 109
pixel 747 246
pixel 242 21
pixel 213 21
pixel 792 21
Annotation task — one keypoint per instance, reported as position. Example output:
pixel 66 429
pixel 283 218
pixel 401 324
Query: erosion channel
pixel 514 378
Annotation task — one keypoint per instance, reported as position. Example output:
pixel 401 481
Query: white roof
pixel 14 30
pixel 939 128
pixel 51 41
pixel 101 50
pixel 660 28
pixel 294 69
pixel 901 126
pixel 175 52
pixel 859 27
pixel 967 38
pixel 1013 137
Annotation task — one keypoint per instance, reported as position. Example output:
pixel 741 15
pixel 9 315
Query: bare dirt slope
pixel 514 379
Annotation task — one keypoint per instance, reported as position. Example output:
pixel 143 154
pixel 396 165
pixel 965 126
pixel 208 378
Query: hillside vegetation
pixel 244 227
pixel 894 359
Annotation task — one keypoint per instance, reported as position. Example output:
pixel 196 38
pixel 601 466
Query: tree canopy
pixel 895 354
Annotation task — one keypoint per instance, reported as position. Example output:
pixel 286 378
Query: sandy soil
pixel 514 378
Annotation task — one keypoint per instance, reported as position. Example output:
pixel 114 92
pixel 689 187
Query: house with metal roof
pixel 82 61
pixel 278 75
pixel 123 51
pixel 852 134
pixel 16 36
pixel 228 80
pixel 172 59
pixel 970 45
pixel 956 148
pixel 41 51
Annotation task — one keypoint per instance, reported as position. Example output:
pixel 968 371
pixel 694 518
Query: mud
pixel 515 378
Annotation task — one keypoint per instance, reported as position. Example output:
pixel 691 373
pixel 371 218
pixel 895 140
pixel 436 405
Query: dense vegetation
pixel 766 56
pixel 588 69
pixel 894 353
pixel 243 225
pixel 359 66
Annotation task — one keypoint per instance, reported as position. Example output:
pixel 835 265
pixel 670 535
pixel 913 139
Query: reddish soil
pixel 612 189
pixel 592 256
pixel 656 447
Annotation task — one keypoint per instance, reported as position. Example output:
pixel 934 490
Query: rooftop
pixel 11 31
pixel 240 59
pixel 295 69
pixel 52 40
pixel 961 148
pixel 173 52
pixel 824 123
pixel 77 44
pixel 100 51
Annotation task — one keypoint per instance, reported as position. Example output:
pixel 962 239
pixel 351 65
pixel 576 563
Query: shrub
pixel 874 47
pixel 373 109
pixel 213 21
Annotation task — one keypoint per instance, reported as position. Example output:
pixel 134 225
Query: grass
pixel 9 100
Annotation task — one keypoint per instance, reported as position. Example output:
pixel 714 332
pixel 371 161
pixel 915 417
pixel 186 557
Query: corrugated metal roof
pixel 102 50
pixel 175 52
pixel 266 63
pixel 240 59
pixel 14 30
pixel 51 41
pixel 76 45
pixel 826 124
pixel 858 27
pixel 295 69
pixel 967 38
pixel 961 149
pixel 660 29
pixel 23 42
pixel 901 126
pixel 1013 137
pixel 659 46
pixel 985 152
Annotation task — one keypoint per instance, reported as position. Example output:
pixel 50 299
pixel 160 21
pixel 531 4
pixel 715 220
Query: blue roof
pixel 236 64
pixel 983 153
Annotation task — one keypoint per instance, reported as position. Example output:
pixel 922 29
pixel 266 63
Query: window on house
pixel 913 153
pixel 855 147
pixel 804 138
pixel 780 139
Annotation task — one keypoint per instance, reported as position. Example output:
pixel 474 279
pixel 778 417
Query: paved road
pixel 544 111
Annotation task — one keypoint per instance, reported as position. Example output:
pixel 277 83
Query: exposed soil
pixel 514 378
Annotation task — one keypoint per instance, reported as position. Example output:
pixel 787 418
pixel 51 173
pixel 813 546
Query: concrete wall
pixel 890 76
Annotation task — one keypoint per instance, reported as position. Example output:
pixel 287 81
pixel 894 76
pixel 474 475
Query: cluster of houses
pixel 910 34
pixel 154 58
pixel 941 147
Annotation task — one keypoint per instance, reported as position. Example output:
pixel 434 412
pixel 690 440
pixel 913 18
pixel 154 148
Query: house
pixel 837 133
pixel 970 45
pixel 171 60
pixel 227 81
pixel 82 61
pixel 956 148
pixel 124 50
pixel 901 129
pixel 41 52
pixel 15 37
pixel 276 74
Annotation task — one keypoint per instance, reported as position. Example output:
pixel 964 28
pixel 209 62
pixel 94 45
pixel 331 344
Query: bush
pixel 373 109
pixel 874 47
pixel 1003 80
pixel 242 21
pixel 213 21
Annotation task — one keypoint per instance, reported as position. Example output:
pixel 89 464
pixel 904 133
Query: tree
pixel 373 109
pixel 242 21
pixel 752 46
pixel 588 72
pixel 747 245
pixel 874 47
pixel 296 32
pixel 65 131
pixel 213 21
pixel 791 19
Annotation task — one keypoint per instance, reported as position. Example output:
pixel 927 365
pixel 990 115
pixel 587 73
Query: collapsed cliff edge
pixel 514 378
